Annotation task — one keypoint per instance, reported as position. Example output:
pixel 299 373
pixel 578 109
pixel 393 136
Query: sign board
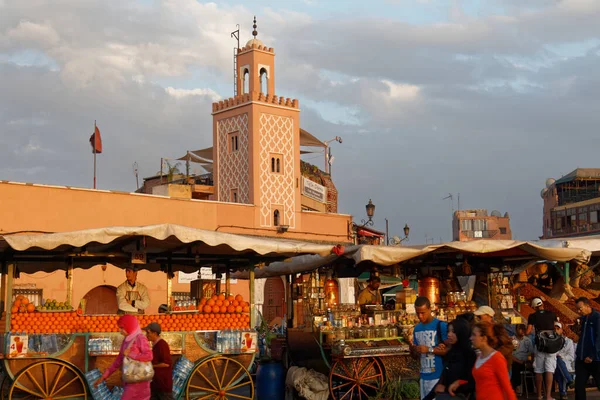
pixel 187 278
pixel 314 190
pixel 204 273
pixel 248 342
pixel 19 345
pixel 138 257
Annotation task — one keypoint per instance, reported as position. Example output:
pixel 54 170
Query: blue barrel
pixel 270 381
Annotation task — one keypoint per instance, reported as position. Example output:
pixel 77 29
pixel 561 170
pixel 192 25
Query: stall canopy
pixel 390 255
pixel 185 249
pixel 589 243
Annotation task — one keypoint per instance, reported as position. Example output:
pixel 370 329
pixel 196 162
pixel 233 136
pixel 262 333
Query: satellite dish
pixel 543 192
pixel 506 215
pixel 396 240
pixel 550 182
pixel 496 213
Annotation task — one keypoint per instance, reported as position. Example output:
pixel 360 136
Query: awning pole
pixel 169 287
pixel 228 282
pixel 70 283
pixel 252 308
pixel 10 272
pixel 3 300
pixel 567 280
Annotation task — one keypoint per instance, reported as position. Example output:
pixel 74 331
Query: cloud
pixel 180 93
pixel 476 104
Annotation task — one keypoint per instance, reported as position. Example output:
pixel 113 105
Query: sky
pixel 486 99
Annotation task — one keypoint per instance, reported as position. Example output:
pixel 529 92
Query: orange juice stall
pixel 50 348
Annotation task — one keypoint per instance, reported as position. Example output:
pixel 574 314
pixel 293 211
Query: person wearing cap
pixel 523 348
pixel 544 364
pixel 485 313
pixel 371 295
pixel 132 296
pixel 161 387
pixel 565 358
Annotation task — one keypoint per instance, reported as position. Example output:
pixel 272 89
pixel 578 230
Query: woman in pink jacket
pixel 136 347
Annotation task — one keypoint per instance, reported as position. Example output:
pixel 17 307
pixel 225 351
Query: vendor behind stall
pixel 371 295
pixel 132 296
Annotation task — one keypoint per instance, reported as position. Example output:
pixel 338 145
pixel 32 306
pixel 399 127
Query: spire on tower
pixel 254 32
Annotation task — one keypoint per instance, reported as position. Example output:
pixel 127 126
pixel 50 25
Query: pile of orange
pixel 217 313
pixel 224 305
pixel 22 305
pixel 70 322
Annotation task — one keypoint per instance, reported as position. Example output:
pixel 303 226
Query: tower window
pixel 233 196
pixel 233 141
pixel 276 161
pixel 276 218
pixel 264 81
pixel 246 81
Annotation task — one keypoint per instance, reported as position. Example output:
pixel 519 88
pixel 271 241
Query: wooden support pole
pixel 10 272
pixel 70 284
pixel 169 287
pixel 3 300
pixel 227 282
pixel 252 305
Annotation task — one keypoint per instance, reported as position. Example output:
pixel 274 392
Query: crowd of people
pixel 475 357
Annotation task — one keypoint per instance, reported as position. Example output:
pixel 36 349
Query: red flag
pixel 96 141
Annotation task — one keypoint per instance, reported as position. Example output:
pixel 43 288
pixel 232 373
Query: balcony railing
pixel 489 234
pixel 573 229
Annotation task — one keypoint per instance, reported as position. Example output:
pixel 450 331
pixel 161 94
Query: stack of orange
pixel 221 305
pixel 22 305
pixel 219 312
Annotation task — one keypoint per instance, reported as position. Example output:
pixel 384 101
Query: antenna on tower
pixel 235 34
pixel 451 201
pixel 135 172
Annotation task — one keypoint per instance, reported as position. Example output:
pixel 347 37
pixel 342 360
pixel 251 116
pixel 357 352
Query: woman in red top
pixel 490 370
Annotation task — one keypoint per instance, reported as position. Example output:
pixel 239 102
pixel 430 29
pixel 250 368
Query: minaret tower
pixel 256 136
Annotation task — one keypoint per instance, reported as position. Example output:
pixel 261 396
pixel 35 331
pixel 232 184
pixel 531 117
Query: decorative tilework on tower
pixel 277 136
pixel 233 166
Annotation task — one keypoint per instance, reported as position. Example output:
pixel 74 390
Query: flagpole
pixel 95 154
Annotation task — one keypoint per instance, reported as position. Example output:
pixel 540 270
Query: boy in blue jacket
pixel 587 355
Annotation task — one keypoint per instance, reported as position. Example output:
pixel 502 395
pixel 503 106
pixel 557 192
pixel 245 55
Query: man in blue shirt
pixel 428 335
pixel 587 355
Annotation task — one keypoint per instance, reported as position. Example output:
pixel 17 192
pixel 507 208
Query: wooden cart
pixel 58 371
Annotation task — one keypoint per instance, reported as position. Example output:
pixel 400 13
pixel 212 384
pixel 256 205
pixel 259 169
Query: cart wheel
pixel 5 387
pixel 356 378
pixel 220 378
pixel 48 379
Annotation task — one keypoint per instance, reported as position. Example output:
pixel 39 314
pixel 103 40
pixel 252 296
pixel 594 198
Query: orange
pixel 25 301
pixel 207 309
pixel 211 302
pixel 230 309
pixel 230 298
pixel 246 309
pixel 14 309
pixel 239 297
pixel 221 297
pixel 223 309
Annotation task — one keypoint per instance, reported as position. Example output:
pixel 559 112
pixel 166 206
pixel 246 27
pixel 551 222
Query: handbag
pixel 549 342
pixel 134 371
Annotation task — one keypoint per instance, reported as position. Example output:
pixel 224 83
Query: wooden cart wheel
pixel 220 378
pixel 6 382
pixel 48 379
pixel 356 378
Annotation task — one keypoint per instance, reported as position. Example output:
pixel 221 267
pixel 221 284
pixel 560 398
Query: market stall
pixel 358 348
pixel 54 352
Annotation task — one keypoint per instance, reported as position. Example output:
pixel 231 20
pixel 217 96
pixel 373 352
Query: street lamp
pixel 328 157
pixel 370 207
pixel 396 240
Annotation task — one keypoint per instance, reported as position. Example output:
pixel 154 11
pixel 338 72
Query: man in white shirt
pixel 565 360
pixel 132 296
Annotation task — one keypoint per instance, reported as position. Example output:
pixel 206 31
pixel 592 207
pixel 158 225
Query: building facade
pixel 572 204
pixel 477 224
pixel 256 188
